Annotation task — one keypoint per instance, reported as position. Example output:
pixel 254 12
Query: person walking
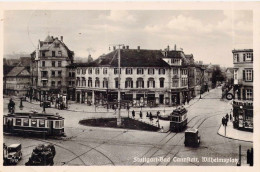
pixel 227 116
pixel 141 115
pixel 11 106
pixel 158 113
pixel 133 113
pixel 147 114
pixel 223 121
pixel 151 117
pixel 230 117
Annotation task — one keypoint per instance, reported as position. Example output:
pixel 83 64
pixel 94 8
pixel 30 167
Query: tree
pixel 217 75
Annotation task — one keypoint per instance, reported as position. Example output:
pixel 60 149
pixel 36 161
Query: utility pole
pixel 119 120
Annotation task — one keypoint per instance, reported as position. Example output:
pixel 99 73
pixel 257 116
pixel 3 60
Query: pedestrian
pixel 11 106
pixel 158 113
pixel 151 117
pixel 230 116
pixel 188 100
pixel 147 114
pixel 133 113
pixel 223 121
pixel 227 117
pixel 141 115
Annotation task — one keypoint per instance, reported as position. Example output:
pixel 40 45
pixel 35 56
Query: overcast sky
pixel 209 35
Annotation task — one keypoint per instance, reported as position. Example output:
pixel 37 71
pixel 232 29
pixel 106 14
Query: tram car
pixel 34 123
pixel 178 119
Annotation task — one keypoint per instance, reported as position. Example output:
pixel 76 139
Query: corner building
pixel 243 89
pixel 148 78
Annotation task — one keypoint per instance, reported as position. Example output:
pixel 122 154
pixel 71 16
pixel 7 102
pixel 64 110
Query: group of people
pixel 226 118
pixel 148 115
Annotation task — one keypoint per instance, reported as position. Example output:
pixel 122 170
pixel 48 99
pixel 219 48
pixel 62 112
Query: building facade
pixel 243 89
pixel 49 72
pixel 148 78
pixel 17 81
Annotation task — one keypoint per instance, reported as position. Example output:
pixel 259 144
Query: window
pixel 53 73
pixel 43 54
pixel 161 82
pixel 83 82
pixel 60 53
pixel 59 83
pixel 53 53
pixel 90 71
pixel 184 72
pixel 89 82
pixel 150 71
pixel 78 81
pixel 116 82
pixel 129 83
pixel 140 83
pixel 56 45
pixel 43 63
pixel 150 83
pixel 53 63
pixel 41 123
pixel 18 122
pixel 235 74
pixel 59 63
pixel 184 81
pixel 97 71
pixel 57 124
pixel 248 75
pixel 105 83
pixel 97 82
pixel 25 122
pixel 175 71
pixel 115 70
pixel 140 71
pixel 78 71
pixel 161 71
pixel 128 71
pixel 249 94
pixel 73 74
pixel 44 83
pixel 59 73
pixel 105 71
pixel 236 57
pixel 33 122
pixel 249 57
pixel 175 82
pixel 53 83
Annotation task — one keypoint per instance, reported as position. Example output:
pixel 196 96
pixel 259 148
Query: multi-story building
pixel 148 77
pixel 17 81
pixel 243 89
pixel 49 70
pixel 229 73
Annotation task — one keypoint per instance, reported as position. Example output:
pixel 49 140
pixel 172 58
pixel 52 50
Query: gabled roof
pixel 133 58
pixel 16 71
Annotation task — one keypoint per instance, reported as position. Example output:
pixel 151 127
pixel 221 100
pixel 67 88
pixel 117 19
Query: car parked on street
pixel 192 138
pixel 13 154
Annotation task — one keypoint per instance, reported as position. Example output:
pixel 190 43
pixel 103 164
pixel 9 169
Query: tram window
pixel 34 123
pixel 25 122
pixel 18 122
pixel 57 124
pixel 41 123
pixel 176 119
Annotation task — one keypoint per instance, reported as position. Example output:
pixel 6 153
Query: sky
pixel 209 35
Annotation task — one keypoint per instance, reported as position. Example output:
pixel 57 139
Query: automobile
pixel 13 154
pixel 47 104
pixel 192 137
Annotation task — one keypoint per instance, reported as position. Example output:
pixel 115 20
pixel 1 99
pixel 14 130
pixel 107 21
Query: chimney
pixel 168 48
pixel 127 47
pixel 175 47
pixel 61 38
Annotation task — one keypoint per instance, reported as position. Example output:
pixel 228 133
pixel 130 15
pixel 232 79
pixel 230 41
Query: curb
pixel 231 137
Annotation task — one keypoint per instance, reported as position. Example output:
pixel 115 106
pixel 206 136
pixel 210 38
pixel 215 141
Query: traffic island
pixel 127 123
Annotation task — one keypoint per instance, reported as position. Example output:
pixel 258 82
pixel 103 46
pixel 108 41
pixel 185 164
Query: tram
pixel 33 122
pixel 178 119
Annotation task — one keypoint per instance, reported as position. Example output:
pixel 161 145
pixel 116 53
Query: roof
pixel 191 130
pixel 48 39
pixel 133 58
pixel 25 61
pixel 14 145
pixel 242 50
pixel 7 69
pixel 16 71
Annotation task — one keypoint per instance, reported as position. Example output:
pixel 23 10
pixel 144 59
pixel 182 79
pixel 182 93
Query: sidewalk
pixel 236 134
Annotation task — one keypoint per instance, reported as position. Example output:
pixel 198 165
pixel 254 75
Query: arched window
pixel 128 83
pixel 97 82
pixel 150 83
pixel 83 81
pixel 89 82
pixel 140 83
pixel 78 81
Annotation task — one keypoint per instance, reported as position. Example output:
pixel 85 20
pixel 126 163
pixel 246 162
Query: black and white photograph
pixel 128 87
